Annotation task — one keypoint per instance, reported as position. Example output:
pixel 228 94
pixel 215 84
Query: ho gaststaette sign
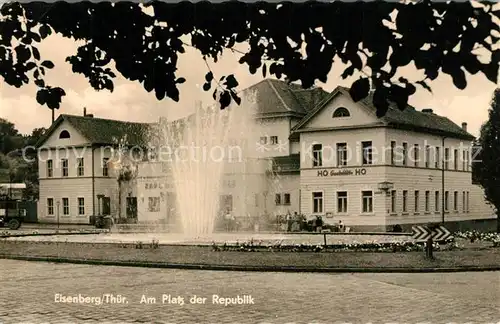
pixel 344 172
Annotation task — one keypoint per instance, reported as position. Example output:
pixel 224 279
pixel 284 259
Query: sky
pixel 129 101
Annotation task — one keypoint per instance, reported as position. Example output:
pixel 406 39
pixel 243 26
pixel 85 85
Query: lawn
pixel 206 256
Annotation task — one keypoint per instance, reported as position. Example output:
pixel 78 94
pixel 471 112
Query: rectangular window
pixel 367 197
pixel 416 154
pixel 417 201
pixel 105 170
pixel 317 155
pixel 154 204
pixel 427 156
pixel 263 140
pixel 341 154
pixel 446 200
pixel 427 198
pixel 342 201
pixel 464 159
pixel 463 202
pixel 64 167
pixel 393 149
pixel 65 205
pixel 274 140
pixel 437 157
pixel 455 159
pixel 405 153
pixel 317 202
pixel 81 206
pixel 286 199
pixel 50 169
pixel 367 156
pixel 393 201
pixel 436 201
pixel 50 206
pixel 80 167
pixel 466 166
pixel 277 199
pixel 455 201
pixel 446 158
pixel 405 201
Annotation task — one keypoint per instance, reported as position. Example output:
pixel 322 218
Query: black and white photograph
pixel 250 162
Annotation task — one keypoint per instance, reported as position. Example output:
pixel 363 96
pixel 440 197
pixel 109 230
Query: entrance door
pixel 171 208
pixel 106 205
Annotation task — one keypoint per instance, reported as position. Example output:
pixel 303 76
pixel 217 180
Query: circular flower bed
pixel 474 236
pixel 355 247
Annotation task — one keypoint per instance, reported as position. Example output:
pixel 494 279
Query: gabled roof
pixel 102 131
pixel 276 97
pixel 409 118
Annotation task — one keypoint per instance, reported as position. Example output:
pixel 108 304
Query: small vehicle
pixel 11 215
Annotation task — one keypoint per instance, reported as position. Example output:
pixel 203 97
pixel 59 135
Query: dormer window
pixel 64 134
pixel 341 112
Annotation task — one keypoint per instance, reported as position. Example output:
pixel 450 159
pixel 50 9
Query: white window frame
pixel 446 158
pixel 284 200
pixel 405 201
pixel 416 155
pixel 455 158
pixel 64 167
pixel 367 153
pixel 446 201
pixel 437 201
pixel 405 153
pixel 50 168
pixel 273 140
pixel 370 200
pixel 154 204
pixel 427 201
pixel 393 153
pixel 341 150
pixel 427 156
pixel 80 170
pixel 105 167
pixel 437 157
pixel 393 201
pixel 263 140
pixel 416 202
pixel 455 201
pixel 322 205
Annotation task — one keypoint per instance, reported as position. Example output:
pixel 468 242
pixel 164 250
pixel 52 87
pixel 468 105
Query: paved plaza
pixel 34 292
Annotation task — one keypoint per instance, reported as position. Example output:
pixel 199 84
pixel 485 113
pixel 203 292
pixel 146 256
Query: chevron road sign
pixel 421 233
pixel 440 233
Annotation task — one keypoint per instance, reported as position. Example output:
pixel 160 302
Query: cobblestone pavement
pixel 28 293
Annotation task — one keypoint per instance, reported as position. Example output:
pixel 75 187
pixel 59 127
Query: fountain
pixel 197 153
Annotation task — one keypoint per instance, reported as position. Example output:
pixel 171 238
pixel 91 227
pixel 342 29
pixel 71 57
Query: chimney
pixel 464 126
pixel 84 111
pixel 427 111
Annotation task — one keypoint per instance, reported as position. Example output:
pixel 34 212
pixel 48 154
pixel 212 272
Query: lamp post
pixel 58 203
pixel 442 179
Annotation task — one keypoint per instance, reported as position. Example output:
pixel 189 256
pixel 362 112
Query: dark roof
pixel 103 131
pixel 409 118
pixel 283 164
pixel 279 97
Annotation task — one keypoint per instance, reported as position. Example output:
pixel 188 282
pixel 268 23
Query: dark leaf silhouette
pixel 235 97
pixel 48 64
pixel 209 76
pixel 231 82
pixel 180 80
pixel 360 89
pixel 207 86
pixel 225 99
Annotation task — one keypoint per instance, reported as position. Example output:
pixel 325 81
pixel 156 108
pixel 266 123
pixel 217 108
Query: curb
pixel 213 267
pixel 49 234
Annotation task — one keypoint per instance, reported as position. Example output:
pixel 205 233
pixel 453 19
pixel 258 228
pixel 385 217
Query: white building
pixel 304 154
pixel 76 179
